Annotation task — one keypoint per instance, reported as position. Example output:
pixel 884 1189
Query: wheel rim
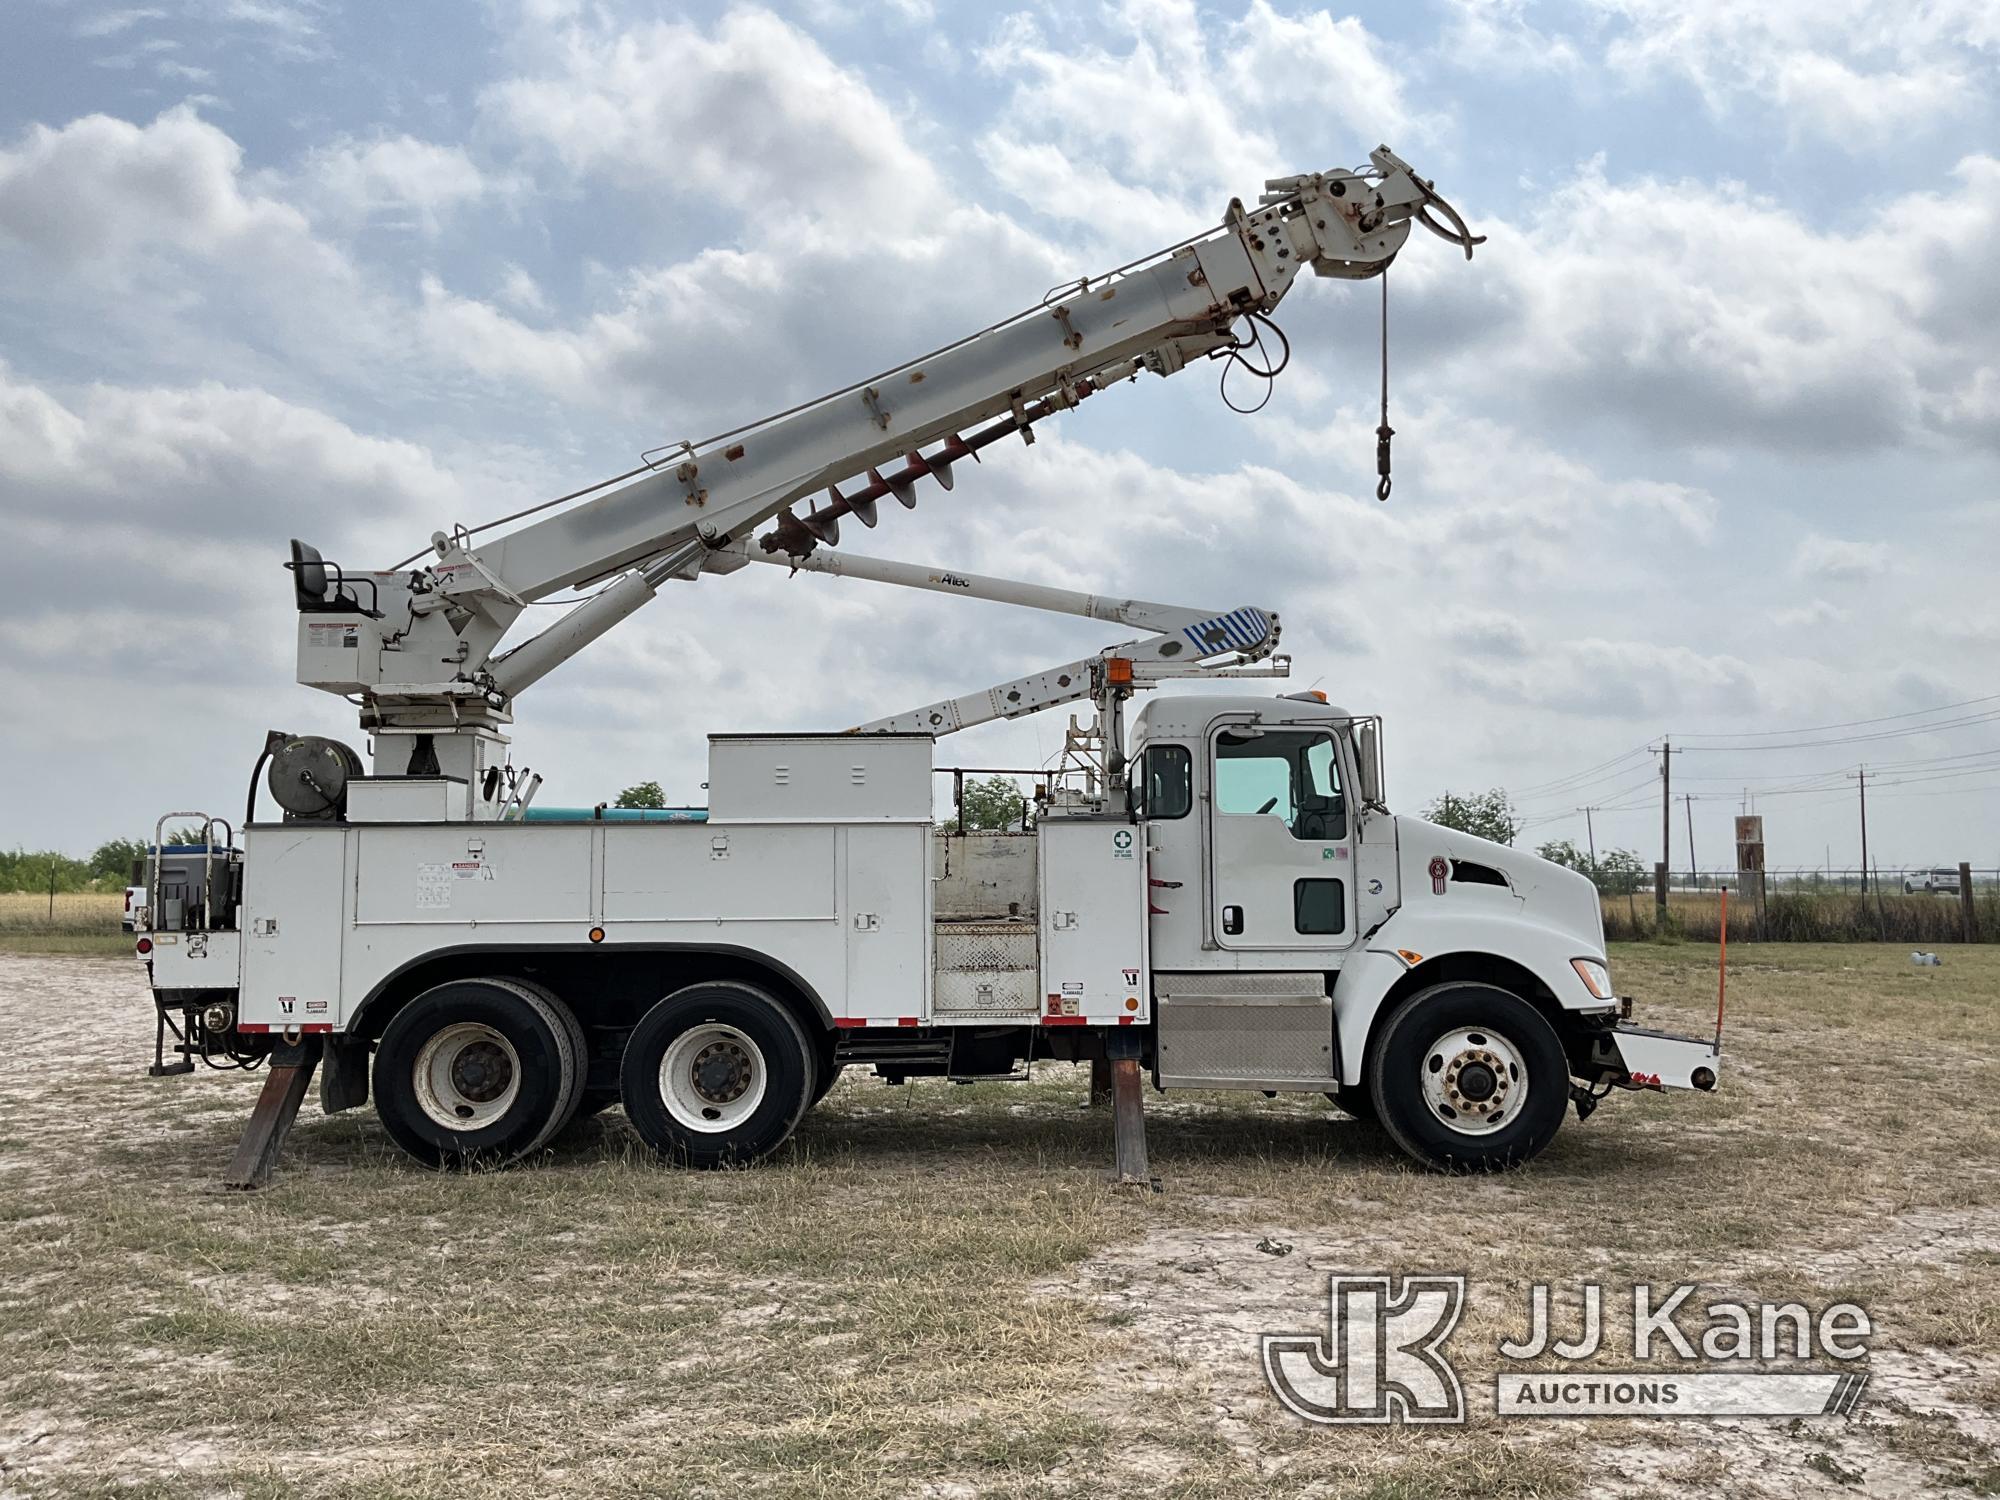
pixel 712 1078
pixel 1475 1080
pixel 467 1076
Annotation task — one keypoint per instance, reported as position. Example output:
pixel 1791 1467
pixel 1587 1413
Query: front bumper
pixel 1634 1057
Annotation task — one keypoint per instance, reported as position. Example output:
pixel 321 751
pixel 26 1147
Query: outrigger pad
pixel 1128 1113
pixel 290 1074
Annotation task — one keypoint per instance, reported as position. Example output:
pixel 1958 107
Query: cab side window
pixel 1168 781
pixel 1291 774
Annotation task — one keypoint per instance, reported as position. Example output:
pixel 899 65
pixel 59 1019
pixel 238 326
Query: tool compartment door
pixel 293 918
pixel 1093 921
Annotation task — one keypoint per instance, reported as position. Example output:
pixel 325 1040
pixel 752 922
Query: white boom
pixel 418 646
pixel 1197 643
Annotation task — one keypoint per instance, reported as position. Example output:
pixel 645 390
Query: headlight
pixel 1596 978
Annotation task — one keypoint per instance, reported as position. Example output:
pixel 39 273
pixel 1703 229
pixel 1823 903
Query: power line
pixel 1914 713
pixel 1647 779
pixel 1853 739
pixel 1564 781
pixel 1920 760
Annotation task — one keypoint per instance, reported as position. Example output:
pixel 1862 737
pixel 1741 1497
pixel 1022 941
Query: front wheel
pixel 1469 1077
pixel 717 1075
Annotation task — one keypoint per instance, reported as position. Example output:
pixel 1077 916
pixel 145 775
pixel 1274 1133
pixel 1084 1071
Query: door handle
pixel 1232 921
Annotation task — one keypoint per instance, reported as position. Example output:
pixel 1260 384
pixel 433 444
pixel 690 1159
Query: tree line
pixel 107 867
pixel 1490 815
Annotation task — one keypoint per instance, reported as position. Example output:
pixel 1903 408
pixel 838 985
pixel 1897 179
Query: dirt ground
pixel 934 1292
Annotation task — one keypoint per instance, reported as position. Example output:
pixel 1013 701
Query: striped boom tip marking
pixel 1239 630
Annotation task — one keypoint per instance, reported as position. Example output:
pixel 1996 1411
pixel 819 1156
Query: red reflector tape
pixel 1065 1020
pixel 849 1022
pixel 906 1020
pixel 1126 1020
pixel 251 1026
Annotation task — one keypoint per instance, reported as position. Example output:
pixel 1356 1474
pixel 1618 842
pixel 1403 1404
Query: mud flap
pixel 343 1077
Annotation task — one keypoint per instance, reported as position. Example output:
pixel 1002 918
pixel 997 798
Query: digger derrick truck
pixel 1214 892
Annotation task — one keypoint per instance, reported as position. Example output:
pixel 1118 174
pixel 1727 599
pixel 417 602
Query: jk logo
pixel 1379 1359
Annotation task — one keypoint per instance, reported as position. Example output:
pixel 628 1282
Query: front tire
pixel 1469 1077
pixel 717 1075
pixel 477 1072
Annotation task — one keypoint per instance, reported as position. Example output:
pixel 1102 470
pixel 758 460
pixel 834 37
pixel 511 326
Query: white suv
pixel 1938 882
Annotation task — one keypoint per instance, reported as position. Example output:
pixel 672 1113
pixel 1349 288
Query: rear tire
pixel 717 1075
pixel 826 1076
pixel 477 1072
pixel 1468 1077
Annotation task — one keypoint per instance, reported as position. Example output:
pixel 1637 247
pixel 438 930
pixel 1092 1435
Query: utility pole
pixel 1861 779
pixel 1590 833
pixel 1666 803
pixel 1694 872
pixel 1666 753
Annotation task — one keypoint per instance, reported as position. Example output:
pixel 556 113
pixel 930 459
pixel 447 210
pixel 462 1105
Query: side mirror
pixel 1369 750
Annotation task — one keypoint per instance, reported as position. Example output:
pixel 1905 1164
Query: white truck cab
pixel 1305 936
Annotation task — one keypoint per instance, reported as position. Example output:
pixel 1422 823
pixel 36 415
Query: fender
pixel 351 1021
pixel 1433 933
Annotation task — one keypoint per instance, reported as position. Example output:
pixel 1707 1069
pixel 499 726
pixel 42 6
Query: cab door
pixel 1280 840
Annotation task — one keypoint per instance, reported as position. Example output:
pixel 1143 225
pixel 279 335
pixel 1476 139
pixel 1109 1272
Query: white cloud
pixel 1496 34
pixel 521 289
pixel 1813 616
pixel 394 176
pixel 1838 561
pixel 100 187
pixel 111 22
pixel 1157 130
pixel 173 467
pixel 751 114
pixel 1708 315
pixel 1857 72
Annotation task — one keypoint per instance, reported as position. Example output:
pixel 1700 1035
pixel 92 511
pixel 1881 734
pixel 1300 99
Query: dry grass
pixel 72 922
pixel 1800 914
pixel 934 1293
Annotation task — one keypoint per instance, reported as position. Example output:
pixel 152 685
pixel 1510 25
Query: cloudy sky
pixel 1704 443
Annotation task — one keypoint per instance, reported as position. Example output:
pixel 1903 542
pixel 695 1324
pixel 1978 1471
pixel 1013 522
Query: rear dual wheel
pixel 479 1072
pixel 718 1075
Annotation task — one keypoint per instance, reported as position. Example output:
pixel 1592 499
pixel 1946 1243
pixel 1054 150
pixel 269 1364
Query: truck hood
pixel 1532 887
